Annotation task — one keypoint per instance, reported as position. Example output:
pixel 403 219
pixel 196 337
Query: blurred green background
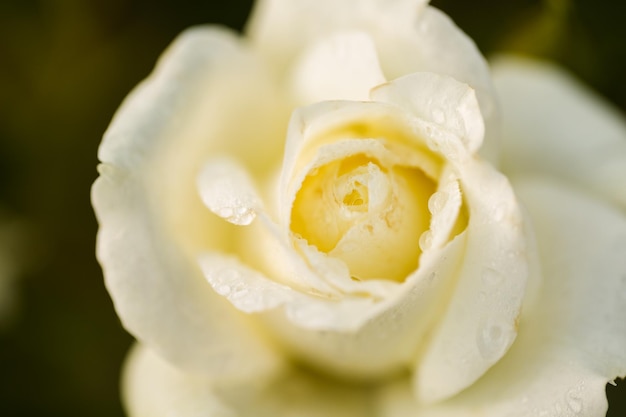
pixel 65 66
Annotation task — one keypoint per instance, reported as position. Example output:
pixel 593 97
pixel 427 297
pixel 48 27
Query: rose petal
pixel 151 387
pixel 154 388
pixel 252 292
pixel 340 67
pixel 228 191
pixel 556 127
pixel 423 38
pixel 373 125
pixel 480 322
pixel 441 47
pixel 445 207
pixel 440 100
pixel 369 338
pixel 353 335
pixel 573 341
pixel 582 242
pixel 535 386
pixel 280 29
pixel 150 223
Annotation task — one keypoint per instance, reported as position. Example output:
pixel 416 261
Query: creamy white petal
pixel 445 207
pixel 441 47
pixel 280 29
pixel 582 242
pixel 440 100
pixel 480 322
pixel 280 260
pixel 151 217
pixel 555 126
pixel 479 325
pixel 151 387
pixel 252 292
pixel 409 36
pixel 226 188
pixel 383 336
pixel 335 123
pixel 343 66
pixel 572 342
pixel 154 388
pixel 533 386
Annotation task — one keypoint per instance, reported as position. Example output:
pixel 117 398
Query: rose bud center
pixel 366 214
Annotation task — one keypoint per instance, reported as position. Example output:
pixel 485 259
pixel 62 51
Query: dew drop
pixel 493 338
pixel 431 142
pixel 223 289
pixel 491 277
pixel 437 202
pixel 426 240
pixel 449 149
pixel 438 116
pixel 239 215
pixel 225 212
pixel 242 216
pixel 558 409
pixel 248 302
pixel 238 294
pixel 574 402
pixel 498 213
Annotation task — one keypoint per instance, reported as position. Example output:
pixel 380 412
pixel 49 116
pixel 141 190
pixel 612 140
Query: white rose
pixel 377 246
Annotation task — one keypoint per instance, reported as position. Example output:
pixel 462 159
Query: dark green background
pixel 65 66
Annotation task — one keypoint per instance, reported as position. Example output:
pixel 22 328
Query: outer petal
pixel 355 336
pixel 150 212
pixel 154 388
pixel 479 324
pixel 554 126
pixel 228 191
pixel 573 341
pixel 343 66
pixel 409 36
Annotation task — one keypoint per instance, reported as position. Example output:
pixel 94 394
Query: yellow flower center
pixel 369 215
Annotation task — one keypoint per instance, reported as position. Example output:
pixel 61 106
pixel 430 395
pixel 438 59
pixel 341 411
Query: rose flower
pixel 329 217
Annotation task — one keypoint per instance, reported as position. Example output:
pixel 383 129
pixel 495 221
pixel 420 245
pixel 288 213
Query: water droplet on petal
pixel 573 401
pixel 493 339
pixel 225 212
pixel 492 277
pixel 431 142
pixel 223 289
pixel 558 409
pixel 437 201
pixel 438 116
pixel 498 213
pixel 238 294
pixel 239 215
pixel 242 216
pixel 426 240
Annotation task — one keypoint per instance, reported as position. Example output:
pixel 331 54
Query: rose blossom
pixel 315 219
